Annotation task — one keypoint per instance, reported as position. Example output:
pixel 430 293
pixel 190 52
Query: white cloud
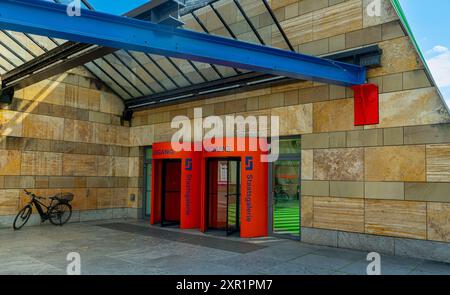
pixel 440 66
pixel 438 49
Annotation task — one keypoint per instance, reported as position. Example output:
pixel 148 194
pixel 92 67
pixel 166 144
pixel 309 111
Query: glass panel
pixel 286 197
pixel 119 63
pixel 14 46
pixel 148 180
pixel 290 146
pixel 148 154
pixel 148 189
pixel 217 194
pixel 233 196
pixel 27 42
pixel 99 73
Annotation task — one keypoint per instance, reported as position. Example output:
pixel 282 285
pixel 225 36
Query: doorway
pixel 223 178
pixel 285 187
pixel 171 193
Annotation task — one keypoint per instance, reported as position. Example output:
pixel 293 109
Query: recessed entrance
pixel 223 178
pixel 170 192
pixel 285 188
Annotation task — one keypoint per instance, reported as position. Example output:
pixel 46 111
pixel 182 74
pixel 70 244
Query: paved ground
pixel 122 247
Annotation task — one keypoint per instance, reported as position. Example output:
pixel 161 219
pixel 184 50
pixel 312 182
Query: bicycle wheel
pixel 22 217
pixel 60 213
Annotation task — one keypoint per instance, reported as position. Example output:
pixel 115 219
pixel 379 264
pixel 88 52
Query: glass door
pixel 286 189
pixel 171 193
pixel 233 196
pixel 147 182
pixel 286 197
pixel 223 195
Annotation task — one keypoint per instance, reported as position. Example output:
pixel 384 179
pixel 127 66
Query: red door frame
pixel 254 185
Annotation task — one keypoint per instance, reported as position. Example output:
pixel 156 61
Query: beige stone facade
pixel 65 134
pixel 391 179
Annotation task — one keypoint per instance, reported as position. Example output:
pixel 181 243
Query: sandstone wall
pixel 391 179
pixel 65 134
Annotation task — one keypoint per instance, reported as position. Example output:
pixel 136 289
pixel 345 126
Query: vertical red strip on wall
pixel 366 104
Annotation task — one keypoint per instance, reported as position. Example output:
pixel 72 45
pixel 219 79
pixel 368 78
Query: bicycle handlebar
pixel 33 195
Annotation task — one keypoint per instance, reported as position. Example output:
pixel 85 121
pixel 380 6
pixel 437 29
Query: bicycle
pixel 58 212
pixel 280 195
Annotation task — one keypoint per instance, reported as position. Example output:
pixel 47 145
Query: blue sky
pixel 430 22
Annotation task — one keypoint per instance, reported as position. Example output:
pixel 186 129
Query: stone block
pixel 318 47
pixel 346 189
pixel 368 243
pixel 99 117
pixel 365 138
pixel 393 136
pixel 10 162
pixel 427 134
pixel 335 115
pixel 391 30
pixel 43 127
pixel 104 198
pixel 388 13
pixel 339 214
pixel 41 164
pixel 307 207
pixel 79 165
pixel 415 79
pixel 252 104
pixel 396 163
pixel 337 43
pixel 9 201
pixel 47 91
pixel 412 107
pixel 363 37
pixel 315 188
pixel 315 141
pixel 338 139
pixel 438 163
pixel 120 166
pixel 319 236
pixel 307 164
pixel 294 120
pixel 10 123
pixel 399 55
pixel 396 218
pixel 299 30
pixel 392 83
pixel 385 190
pixel 428 250
pixel 339 164
pixel 19 182
pixel 438 221
pixel 313 94
pixel 111 104
pixel 337 19
pixel 307 6
pixel 431 192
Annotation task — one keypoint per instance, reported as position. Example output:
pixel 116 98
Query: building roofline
pixel 407 28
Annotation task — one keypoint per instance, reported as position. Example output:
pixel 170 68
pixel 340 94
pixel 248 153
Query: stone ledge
pixel 429 250
pixel 80 216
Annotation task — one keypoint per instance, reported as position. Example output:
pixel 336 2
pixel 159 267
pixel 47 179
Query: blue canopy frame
pixel 49 19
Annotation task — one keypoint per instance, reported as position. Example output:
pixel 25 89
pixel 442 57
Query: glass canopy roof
pixel 135 74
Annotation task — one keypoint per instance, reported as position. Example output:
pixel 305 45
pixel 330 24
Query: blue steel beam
pixel 49 19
